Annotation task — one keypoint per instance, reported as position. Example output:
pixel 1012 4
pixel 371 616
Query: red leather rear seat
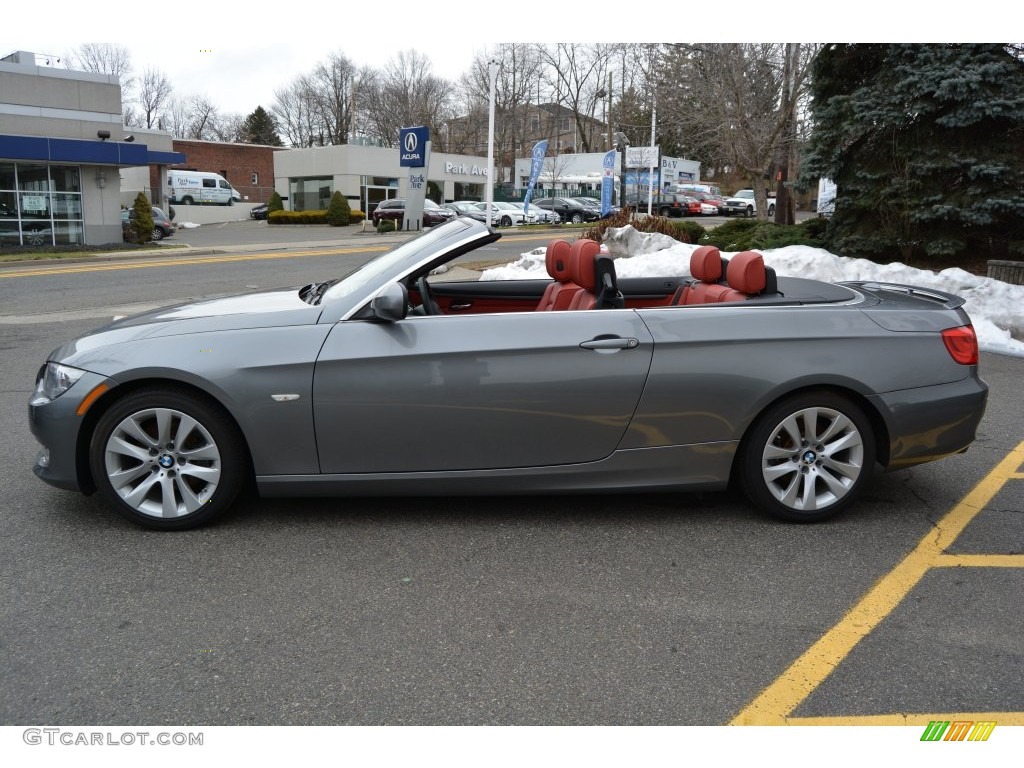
pixel 559 294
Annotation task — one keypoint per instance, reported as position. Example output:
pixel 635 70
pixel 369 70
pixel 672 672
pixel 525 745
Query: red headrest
pixel 746 272
pixel 557 259
pixel 582 261
pixel 706 264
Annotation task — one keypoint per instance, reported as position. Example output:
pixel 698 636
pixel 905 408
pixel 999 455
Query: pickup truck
pixel 744 204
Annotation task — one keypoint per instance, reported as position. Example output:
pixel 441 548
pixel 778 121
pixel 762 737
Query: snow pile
pixel 996 308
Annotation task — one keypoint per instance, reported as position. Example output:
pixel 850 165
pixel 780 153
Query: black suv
pixel 569 210
pixel 162 226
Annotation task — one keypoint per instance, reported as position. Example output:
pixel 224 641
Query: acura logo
pixel 411 142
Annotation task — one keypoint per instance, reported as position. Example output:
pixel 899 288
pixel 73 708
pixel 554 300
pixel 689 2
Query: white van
pixel 200 187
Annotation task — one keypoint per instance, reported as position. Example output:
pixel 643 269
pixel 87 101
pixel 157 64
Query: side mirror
pixel 391 304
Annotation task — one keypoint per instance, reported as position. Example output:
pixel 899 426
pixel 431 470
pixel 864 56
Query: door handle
pixel 614 342
pixel 460 306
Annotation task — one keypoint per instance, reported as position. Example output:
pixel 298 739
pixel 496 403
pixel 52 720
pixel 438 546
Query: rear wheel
pixel 577 218
pixel 506 221
pixel 158 234
pixel 187 200
pixel 807 457
pixel 771 211
pixel 167 460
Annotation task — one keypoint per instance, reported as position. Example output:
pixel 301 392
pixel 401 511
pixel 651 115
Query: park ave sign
pixel 464 170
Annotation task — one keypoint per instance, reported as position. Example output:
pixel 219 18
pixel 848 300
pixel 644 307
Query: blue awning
pixel 86 151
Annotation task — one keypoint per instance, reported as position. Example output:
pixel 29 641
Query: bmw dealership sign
pixel 412 144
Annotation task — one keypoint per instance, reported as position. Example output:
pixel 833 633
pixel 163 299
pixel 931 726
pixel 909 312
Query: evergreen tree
pixel 259 128
pixel 924 144
pixel 338 212
pixel 275 203
pixel 142 221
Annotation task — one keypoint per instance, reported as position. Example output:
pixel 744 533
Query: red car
pixel 395 209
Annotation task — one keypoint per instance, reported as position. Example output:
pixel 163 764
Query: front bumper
pixel 58 428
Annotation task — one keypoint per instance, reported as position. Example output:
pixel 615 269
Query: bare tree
pixel 735 101
pixel 578 72
pixel 154 95
pixel 405 93
pixel 104 58
pixel 293 111
pixel 330 91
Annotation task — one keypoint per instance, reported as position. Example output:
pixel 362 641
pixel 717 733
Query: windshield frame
pixel 431 247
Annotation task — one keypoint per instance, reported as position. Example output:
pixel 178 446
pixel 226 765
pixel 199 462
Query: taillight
pixel 962 344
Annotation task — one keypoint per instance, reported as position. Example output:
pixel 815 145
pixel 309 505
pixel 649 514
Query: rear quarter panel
pixel 715 368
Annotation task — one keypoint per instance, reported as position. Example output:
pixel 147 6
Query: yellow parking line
pixel 1002 718
pixel 773 705
pixel 979 561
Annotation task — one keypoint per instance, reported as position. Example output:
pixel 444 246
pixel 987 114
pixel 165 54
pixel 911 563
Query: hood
pixel 262 309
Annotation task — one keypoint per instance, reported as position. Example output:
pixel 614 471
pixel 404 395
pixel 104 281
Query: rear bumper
pixel 929 423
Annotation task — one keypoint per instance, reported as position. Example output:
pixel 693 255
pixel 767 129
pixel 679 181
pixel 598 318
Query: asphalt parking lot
pixel 584 610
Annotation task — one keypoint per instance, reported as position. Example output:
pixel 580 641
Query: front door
pixel 478 391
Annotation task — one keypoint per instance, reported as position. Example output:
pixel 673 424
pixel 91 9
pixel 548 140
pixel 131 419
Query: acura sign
pixel 412 146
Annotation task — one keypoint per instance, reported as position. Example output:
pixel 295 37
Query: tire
pixel 808 457
pixel 506 221
pixel 158 234
pixel 231 201
pixel 155 483
pixel 577 218
pixel 749 212
pixel 771 211
pixel 186 200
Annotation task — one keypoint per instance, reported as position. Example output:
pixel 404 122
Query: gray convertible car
pixel 382 383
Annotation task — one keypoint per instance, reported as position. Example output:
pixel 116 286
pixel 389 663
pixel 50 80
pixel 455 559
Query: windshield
pixel 390 261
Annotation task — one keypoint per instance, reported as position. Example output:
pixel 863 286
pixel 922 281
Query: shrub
pixel 142 222
pixel 386 225
pixel 274 203
pixel 338 212
pixel 297 217
pixel 683 231
pixel 753 234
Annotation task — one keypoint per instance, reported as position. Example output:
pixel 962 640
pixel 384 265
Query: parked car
pixel 569 210
pixel 743 203
pixel 467 208
pixel 593 202
pixel 259 211
pixel 504 214
pixel 162 225
pixel 666 204
pixel 542 215
pixel 785 385
pixel 433 214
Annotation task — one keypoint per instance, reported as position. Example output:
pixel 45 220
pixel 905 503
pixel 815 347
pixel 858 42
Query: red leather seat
pixel 706 269
pixel 584 275
pixel 559 294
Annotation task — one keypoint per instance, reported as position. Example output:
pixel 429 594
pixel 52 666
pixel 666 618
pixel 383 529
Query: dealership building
pixel 62 145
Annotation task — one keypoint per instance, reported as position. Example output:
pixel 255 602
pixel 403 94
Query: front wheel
pixel 506 221
pixel 577 218
pixel 750 211
pixel 164 459
pixel 807 457
pixel 186 200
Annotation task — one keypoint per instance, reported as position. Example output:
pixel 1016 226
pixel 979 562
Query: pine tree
pixel 924 144
pixel 142 221
pixel 260 128
pixel 275 203
pixel 338 212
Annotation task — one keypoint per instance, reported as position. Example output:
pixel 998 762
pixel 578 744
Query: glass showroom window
pixel 40 204
pixel 310 194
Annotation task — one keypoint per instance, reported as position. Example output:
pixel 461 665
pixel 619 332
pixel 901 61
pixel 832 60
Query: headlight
pixel 53 381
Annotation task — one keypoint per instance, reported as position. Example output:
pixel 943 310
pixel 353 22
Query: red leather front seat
pixel 584 275
pixel 559 294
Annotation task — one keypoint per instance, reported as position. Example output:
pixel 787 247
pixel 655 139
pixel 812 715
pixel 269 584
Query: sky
pixel 996 308
pixel 239 53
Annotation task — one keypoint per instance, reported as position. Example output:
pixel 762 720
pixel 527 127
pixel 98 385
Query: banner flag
pixel 607 182
pixel 540 149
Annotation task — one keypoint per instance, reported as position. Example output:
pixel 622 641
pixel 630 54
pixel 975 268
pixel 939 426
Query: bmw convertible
pixel 385 382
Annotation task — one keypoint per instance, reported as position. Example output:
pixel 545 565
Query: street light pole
pixel 492 71
pixel 621 142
